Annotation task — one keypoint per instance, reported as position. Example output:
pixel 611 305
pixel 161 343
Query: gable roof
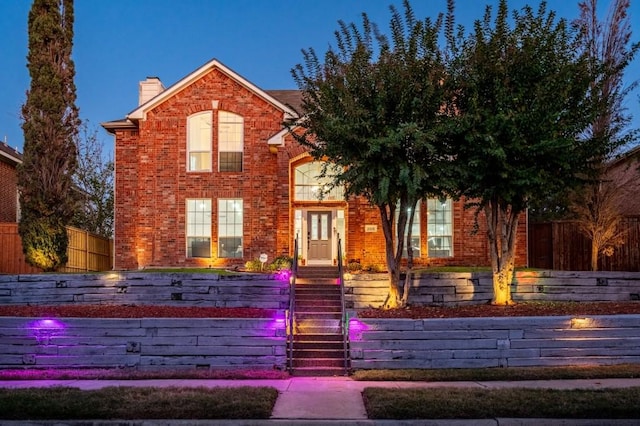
pixel 140 112
pixel 9 155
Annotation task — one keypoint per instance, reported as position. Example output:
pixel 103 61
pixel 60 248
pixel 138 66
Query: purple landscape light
pixel 45 328
pixel 356 327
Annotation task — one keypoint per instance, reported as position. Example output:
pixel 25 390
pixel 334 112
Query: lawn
pixel 64 403
pixel 457 403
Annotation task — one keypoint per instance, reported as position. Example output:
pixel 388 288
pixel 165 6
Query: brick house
pixel 9 205
pixel 206 175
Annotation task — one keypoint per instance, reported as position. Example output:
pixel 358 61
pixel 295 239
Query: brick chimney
pixel 149 88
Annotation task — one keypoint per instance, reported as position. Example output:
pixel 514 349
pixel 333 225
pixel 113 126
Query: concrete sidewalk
pixel 333 400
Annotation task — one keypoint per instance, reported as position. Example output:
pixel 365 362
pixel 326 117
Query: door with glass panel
pixel 319 235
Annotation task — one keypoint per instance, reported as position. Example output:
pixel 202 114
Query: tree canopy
pixel 524 100
pixel 372 106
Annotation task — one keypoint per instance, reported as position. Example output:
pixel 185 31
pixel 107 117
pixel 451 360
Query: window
pixel 230 141
pixel 440 227
pixel 230 228
pixel 199 228
pixel 415 231
pixel 309 186
pixel 199 141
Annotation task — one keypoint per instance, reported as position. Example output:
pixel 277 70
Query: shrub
pixel 281 262
pixel 253 265
pixel 354 266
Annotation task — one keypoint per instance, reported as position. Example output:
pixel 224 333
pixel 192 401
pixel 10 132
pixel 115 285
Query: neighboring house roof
pixel 624 170
pixel 9 155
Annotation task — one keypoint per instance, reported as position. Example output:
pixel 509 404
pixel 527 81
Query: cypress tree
pixel 50 124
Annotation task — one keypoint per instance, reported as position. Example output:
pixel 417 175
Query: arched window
pixel 230 141
pixel 199 142
pixel 309 186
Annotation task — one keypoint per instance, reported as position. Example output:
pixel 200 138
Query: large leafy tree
pixel 372 106
pixel 93 182
pixel 523 101
pixel 596 205
pixel 50 123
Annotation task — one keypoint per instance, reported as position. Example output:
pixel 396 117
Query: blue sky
pixel 118 43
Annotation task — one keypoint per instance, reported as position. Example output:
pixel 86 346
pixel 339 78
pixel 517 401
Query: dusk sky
pixel 118 43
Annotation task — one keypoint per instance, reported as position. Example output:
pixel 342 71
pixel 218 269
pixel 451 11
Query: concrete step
pixel 319 354
pixel 318 362
pixel 318 345
pixel 319 304
pixel 306 337
pixel 317 307
pixel 300 316
pixel 319 371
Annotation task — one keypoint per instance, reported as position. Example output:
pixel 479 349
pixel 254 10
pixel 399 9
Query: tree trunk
pixel 502 225
pixel 595 250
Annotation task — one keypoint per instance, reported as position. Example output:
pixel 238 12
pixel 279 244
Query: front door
pixel 319 236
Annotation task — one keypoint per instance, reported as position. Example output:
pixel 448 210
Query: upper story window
pixel 309 186
pixel 440 227
pixel 230 141
pixel 199 141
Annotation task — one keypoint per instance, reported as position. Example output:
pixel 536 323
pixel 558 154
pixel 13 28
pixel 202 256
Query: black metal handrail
pixel 292 306
pixel 344 321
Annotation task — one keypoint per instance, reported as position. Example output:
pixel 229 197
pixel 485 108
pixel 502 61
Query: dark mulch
pixel 483 310
pixel 523 309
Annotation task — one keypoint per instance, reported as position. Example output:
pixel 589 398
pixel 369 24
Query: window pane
pixel 440 228
pixel 199 141
pixel 230 228
pixel 415 231
pixel 230 161
pixel 230 141
pixel 309 186
pixel 198 228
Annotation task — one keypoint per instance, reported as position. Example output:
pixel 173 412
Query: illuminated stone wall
pixel 147 343
pixel 142 288
pixel 494 342
pixel 448 288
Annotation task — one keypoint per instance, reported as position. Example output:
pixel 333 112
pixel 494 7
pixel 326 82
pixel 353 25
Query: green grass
pixel 511 373
pixel 137 403
pixel 464 403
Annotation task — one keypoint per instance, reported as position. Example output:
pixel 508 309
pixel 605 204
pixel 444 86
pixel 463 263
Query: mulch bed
pixel 484 310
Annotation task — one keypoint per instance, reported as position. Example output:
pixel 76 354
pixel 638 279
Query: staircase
pixel 318 345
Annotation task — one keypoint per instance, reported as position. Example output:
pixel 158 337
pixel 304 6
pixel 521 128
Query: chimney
pixel 149 88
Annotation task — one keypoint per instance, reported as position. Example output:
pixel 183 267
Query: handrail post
pixel 292 305
pixel 344 323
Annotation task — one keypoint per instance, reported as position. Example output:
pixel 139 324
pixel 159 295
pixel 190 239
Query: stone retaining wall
pixel 147 288
pixel 447 288
pixel 494 342
pixel 147 343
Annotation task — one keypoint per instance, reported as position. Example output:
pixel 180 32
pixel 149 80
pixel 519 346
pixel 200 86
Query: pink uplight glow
pixel 356 328
pixel 44 329
pixel 283 275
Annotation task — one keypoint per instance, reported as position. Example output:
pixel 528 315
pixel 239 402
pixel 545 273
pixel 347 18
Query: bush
pixel 281 262
pixel 354 266
pixel 253 265
pixel 375 269
pixel 44 242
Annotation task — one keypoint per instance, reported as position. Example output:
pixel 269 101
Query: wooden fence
pixel 86 252
pixel 562 246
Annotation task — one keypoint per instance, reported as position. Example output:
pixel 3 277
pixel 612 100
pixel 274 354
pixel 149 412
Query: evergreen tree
pixel 50 125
